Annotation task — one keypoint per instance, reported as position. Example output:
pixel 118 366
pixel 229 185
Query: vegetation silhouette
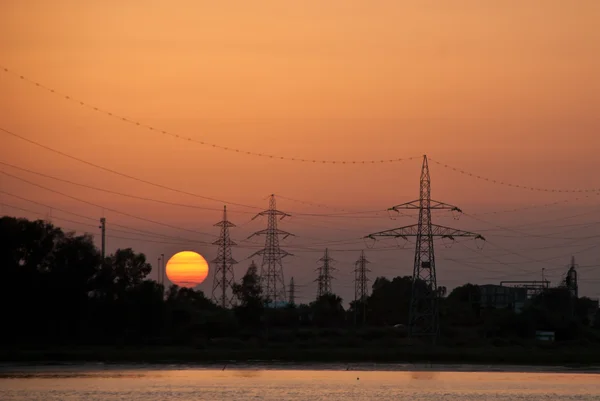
pixel 60 300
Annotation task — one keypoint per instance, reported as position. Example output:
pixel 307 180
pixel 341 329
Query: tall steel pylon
pixel 570 280
pixel 324 279
pixel 361 290
pixel 424 312
pixel 271 270
pixel 222 291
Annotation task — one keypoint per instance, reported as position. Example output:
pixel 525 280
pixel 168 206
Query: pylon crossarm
pixel 447 232
pixel 219 259
pixel 268 231
pixel 413 231
pixel 273 213
pixel 281 253
pixel 402 232
pixel 434 205
pixel 408 205
pixel 224 224
pixel 222 241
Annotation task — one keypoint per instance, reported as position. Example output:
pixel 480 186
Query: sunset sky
pixel 508 90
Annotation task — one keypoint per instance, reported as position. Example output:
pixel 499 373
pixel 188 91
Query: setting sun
pixel 187 269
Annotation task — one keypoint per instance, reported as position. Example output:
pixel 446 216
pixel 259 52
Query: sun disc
pixel 187 269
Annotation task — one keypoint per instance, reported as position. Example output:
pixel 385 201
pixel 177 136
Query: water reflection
pixel 424 375
pixel 183 383
pixel 247 373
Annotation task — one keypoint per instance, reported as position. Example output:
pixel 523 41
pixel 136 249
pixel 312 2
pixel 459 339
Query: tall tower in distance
pixel 571 279
pixel 324 279
pixel 361 290
pixel 424 312
pixel 271 270
pixel 222 291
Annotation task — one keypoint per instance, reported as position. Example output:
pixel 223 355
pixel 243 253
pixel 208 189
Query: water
pixel 314 383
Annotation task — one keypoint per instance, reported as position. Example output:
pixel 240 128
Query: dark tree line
pixel 55 289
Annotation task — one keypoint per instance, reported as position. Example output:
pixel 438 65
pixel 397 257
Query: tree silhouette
pixel 249 294
pixel 56 290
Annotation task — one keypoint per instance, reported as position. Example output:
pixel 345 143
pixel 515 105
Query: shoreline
pixel 495 357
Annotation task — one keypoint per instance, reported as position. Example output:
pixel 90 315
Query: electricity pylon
pixel 424 313
pixel 361 291
pixel 324 279
pixel 222 291
pixel 570 280
pixel 271 270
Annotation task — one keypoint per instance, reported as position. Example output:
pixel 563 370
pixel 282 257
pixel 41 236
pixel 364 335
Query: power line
pixel 121 174
pixel 197 141
pixel 67 229
pixel 106 208
pixel 321 205
pixel 349 216
pixel 115 192
pixel 508 184
pixel 519 209
pixel 136 231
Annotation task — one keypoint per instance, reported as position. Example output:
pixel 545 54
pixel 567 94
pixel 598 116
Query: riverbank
pixel 169 355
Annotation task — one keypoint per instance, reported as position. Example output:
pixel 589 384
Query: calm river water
pixel 313 383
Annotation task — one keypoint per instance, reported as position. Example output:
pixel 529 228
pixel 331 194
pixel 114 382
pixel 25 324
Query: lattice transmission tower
pixel 424 312
pixel 271 270
pixel 222 291
pixel 324 278
pixel 570 279
pixel 361 289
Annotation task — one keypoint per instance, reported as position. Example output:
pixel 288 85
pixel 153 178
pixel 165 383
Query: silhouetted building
pixel 501 297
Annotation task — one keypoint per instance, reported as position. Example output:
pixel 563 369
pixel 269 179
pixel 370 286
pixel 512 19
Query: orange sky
pixel 507 89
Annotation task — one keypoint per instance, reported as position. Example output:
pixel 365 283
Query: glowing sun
pixel 187 269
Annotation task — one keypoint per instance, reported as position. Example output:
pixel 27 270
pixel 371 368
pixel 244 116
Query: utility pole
pixel 424 312
pixel 292 292
pixel 271 270
pixel 361 291
pixel 103 228
pixel 158 275
pixel 162 269
pixel 224 277
pixel 324 279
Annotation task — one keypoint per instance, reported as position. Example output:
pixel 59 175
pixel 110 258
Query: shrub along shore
pixel 484 355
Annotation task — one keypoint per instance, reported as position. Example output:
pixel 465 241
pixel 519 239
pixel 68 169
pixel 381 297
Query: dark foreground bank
pixel 495 355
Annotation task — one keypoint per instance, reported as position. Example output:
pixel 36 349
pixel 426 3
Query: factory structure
pixel 515 295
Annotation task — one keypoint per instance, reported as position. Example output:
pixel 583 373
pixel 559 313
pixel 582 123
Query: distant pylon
pixel 424 312
pixel 271 270
pixel 222 292
pixel 292 292
pixel 361 289
pixel 570 280
pixel 324 279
